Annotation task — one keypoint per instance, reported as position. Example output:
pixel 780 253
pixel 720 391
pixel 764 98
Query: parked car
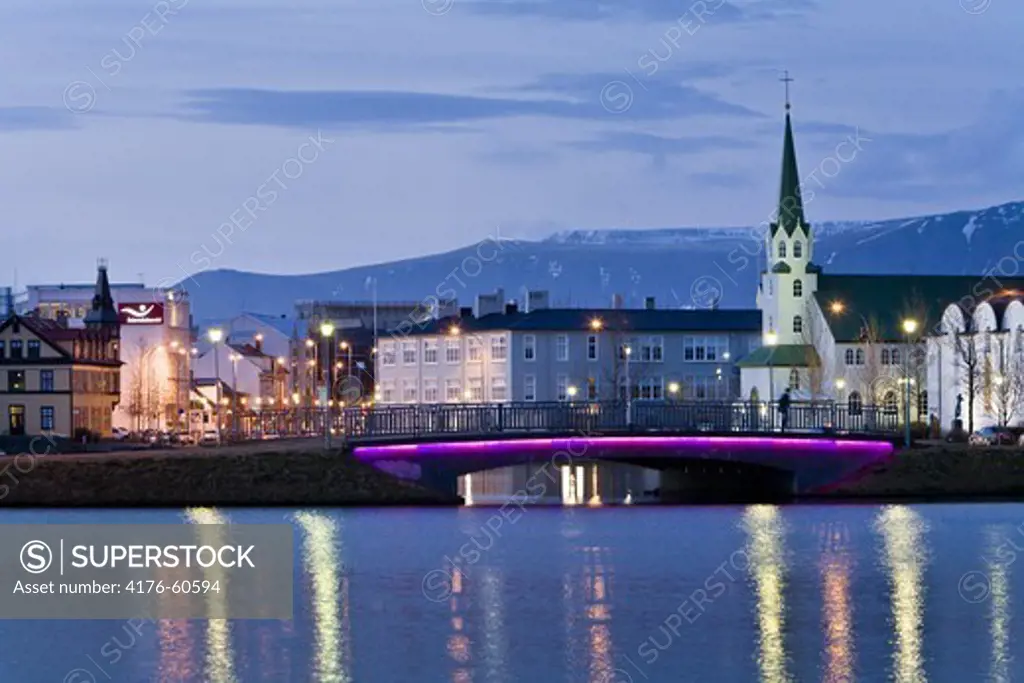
pixel 994 436
pixel 120 433
pixel 211 437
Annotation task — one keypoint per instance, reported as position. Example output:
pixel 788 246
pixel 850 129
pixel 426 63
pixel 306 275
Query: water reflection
pixel 596 589
pixel 495 644
pixel 837 604
pixel 220 665
pixel 903 531
pixel 999 587
pixel 458 645
pixel 766 553
pixel 320 551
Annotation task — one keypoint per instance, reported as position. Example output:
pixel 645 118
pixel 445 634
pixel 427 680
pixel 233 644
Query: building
pixel 907 343
pixel 498 353
pixel 273 334
pixel 155 343
pixel 60 379
pixel 247 370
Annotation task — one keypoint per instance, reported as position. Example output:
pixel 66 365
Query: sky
pixel 298 136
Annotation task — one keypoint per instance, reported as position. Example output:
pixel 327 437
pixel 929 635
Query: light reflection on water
pixel 834 594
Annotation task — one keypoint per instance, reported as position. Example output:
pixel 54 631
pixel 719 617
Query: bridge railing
pixel 609 416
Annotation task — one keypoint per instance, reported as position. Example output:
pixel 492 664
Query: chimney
pixel 649 303
pixel 466 312
pixel 616 301
pixel 257 341
pixel 511 308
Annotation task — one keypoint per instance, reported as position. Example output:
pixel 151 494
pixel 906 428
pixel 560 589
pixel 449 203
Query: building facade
pixel 62 380
pixel 155 344
pixel 567 354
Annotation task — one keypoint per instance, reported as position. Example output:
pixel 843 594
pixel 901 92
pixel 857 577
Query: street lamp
pixel 215 335
pixel 346 346
pixel 596 324
pixel 234 394
pixel 909 328
pixel 326 333
pixel 771 339
pixel 627 352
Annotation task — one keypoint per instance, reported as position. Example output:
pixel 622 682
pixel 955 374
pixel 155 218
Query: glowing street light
pixel 909 326
pixel 596 324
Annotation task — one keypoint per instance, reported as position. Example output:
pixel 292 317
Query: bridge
pixel 699 446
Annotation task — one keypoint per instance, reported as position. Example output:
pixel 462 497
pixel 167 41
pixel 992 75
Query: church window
pixel 798 324
pixel 860 357
pixel 849 356
pixel 896 357
pixel 798 249
pixel 885 357
pixel 782 249
pixel 889 402
pixel 798 287
pixel 794 379
pixel 855 404
pixel 922 405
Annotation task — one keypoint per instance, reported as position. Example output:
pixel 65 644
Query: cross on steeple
pixel 787 80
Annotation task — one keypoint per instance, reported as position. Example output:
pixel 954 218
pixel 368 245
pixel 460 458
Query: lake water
pixel 588 595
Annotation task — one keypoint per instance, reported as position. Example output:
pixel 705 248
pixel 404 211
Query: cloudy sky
pixel 320 134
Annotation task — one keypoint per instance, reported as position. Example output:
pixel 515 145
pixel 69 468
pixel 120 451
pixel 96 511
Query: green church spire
pixel 791 205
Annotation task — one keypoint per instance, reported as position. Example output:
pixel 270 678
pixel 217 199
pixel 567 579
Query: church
pixel 957 341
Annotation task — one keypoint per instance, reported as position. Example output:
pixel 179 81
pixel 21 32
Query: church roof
pixel 103 311
pixel 790 214
pixel 859 307
pixel 782 356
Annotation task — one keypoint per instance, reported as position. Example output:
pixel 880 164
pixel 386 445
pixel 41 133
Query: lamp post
pixel 215 336
pixel 327 333
pixel 770 340
pixel 909 328
pixel 234 395
pixel 345 346
pixel 627 352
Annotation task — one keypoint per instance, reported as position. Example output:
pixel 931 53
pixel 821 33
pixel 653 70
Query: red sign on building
pixel 141 314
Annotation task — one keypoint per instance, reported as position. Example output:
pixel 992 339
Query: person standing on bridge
pixel 784 408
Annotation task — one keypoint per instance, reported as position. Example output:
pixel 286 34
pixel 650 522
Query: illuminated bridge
pixel 703 450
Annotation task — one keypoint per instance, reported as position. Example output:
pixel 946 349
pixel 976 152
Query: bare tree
pixel 814 335
pixel 135 404
pixel 1004 375
pixel 874 376
pixel 969 353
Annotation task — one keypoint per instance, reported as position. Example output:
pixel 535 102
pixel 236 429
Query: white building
pixel 155 344
pixel 499 353
pixel 257 376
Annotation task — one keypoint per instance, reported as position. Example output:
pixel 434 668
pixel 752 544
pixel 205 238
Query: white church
pixel 958 341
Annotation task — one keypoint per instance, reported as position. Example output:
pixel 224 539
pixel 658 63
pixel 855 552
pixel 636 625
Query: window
pixel 592 347
pixel 651 388
pixel 710 349
pixel 46 418
pixel 499 389
pixel 794 379
pixel 855 405
pixel 889 402
pixel 15 380
pixel 33 348
pixel 562 387
pixel 798 249
pixel 430 351
pixel 452 390
pixel 409 353
pixel 499 347
pixel 387 391
pixel 562 347
pixel 476 390
pixel 16 349
pixel 430 392
pixel 798 324
pixel 475 349
pixel 529 347
pixel 409 391
pixel 46 380
pixel 3 350
pixel 453 351
pixel 591 388
pixel 849 356
pixel 798 287
pixel 387 354
pixel 885 357
pixel 530 388
pixel 653 349
pixel 860 357
pixel 895 356
pixel 704 387
pixel 782 249
pixel 922 405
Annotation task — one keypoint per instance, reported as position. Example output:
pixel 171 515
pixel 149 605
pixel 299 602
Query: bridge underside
pixel 694 467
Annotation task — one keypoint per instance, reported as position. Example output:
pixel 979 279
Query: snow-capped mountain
pixel 680 267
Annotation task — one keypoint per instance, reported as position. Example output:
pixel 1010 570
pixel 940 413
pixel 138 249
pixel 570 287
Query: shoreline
pixel 298 473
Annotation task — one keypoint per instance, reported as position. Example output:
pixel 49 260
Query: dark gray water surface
pixel 588 595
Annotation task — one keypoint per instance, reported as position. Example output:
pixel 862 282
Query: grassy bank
pixel 282 474
pixel 941 472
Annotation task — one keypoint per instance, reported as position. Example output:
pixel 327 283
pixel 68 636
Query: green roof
pixel 781 267
pixel 880 303
pixel 783 355
pixel 791 205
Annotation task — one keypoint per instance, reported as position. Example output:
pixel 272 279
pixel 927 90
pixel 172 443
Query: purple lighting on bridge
pixel 652 446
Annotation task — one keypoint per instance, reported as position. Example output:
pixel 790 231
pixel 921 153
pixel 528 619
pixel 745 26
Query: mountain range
pixel 680 267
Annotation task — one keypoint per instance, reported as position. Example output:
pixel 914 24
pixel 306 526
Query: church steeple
pixel 102 311
pixel 791 206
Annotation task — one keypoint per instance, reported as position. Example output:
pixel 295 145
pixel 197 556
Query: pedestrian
pixel 784 401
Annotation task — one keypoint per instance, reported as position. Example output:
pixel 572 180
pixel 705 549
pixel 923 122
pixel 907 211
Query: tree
pixel 968 347
pixel 135 404
pixel 814 332
pixel 1004 374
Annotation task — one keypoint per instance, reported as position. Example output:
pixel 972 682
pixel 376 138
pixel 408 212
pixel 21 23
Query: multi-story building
pixel 155 343
pixel 244 367
pixel 59 379
pixel 499 353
